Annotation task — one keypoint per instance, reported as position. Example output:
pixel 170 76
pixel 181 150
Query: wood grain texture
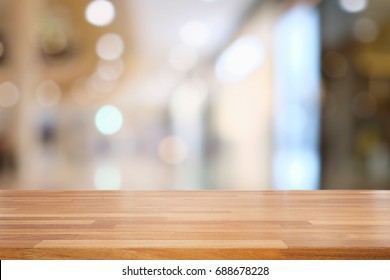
pixel 194 224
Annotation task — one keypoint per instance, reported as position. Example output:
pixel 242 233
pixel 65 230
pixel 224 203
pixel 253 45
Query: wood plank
pixel 46 222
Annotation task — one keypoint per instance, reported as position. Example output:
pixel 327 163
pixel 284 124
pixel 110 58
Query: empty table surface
pixel 46 224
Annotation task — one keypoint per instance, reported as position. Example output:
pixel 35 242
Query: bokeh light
pixel 110 70
pixel 110 46
pixel 98 87
pixel 353 6
pixel 173 150
pixel 239 60
pixel 48 94
pixel 365 30
pixel 9 94
pixel 335 65
pixel 54 41
pixel 202 94
pixel 100 12
pixel 108 120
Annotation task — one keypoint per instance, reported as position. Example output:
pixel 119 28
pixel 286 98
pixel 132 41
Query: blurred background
pixel 194 94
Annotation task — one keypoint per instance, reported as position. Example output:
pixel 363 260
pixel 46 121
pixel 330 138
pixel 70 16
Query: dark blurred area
pixel 356 108
pixel 195 94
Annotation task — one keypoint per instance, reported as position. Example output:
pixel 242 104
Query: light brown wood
pixel 194 224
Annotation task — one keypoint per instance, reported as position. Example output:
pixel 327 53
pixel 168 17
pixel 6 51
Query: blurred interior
pixel 194 94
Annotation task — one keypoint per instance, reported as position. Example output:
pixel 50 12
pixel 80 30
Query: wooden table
pixel 194 224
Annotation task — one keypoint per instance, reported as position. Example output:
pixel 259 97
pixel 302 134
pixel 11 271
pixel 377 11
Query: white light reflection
pixel 195 34
pixel 242 58
pixel 296 163
pixel 353 6
pixel 100 12
pixel 296 169
pixel 107 177
pixel 108 120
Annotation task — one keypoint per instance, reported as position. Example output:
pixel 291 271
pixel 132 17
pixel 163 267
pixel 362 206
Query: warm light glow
pixel 100 12
pixel 195 34
pixel 108 120
pixel 9 94
pixel 241 59
pixel 110 46
pixel 107 177
pixel 365 30
pixel 48 94
pixel 173 150
pixel 54 41
pixel 353 6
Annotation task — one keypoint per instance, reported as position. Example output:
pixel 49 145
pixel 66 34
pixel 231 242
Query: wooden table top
pixel 194 224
